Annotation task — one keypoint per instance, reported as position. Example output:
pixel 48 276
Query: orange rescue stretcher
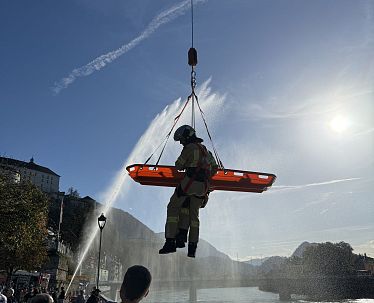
pixel 226 179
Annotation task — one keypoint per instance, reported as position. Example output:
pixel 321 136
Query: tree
pixel 23 226
pixel 75 215
pixel 73 192
pixel 329 259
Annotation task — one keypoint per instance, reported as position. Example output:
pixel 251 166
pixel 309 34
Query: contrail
pixel 291 187
pixel 101 61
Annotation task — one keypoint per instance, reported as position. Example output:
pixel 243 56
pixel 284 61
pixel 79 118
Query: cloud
pixel 342 231
pixel 103 60
pixel 364 132
pixel 366 247
pixel 369 22
pixel 327 103
pixel 324 211
pixel 324 197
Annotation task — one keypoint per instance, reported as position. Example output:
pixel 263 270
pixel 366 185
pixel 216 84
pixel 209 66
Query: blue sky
pixel 287 88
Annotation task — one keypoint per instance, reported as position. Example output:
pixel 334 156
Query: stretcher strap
pixel 168 135
pixel 219 162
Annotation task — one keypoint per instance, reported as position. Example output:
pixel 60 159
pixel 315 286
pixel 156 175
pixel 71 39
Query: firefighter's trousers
pixel 186 217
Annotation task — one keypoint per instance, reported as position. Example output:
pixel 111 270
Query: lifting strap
pixel 192 61
pixel 218 159
pixel 167 136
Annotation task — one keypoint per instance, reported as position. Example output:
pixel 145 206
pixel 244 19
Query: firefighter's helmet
pixel 184 133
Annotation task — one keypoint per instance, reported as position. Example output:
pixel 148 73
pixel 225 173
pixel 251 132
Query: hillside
pixel 135 243
pixel 204 250
pixel 299 251
pixel 132 242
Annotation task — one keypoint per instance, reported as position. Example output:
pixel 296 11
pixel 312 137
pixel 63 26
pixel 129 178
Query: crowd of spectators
pixel 134 288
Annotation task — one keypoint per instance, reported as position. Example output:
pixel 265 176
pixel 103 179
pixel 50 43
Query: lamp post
pixel 101 222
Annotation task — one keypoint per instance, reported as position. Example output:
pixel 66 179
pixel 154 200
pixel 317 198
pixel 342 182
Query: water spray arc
pixel 114 193
pixel 146 144
pixel 121 181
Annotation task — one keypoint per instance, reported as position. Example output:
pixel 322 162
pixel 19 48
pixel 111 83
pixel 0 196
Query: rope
pixel 218 159
pixel 193 73
pixel 193 113
pixel 193 97
pixel 168 135
pixel 192 23
pixel 153 153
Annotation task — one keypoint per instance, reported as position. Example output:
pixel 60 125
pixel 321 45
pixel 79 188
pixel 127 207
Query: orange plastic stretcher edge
pixel 228 179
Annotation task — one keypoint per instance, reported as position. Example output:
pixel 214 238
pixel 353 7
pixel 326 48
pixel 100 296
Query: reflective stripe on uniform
pixel 185 211
pixel 195 224
pixel 172 219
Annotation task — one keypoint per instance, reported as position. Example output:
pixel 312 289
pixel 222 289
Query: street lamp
pixel 101 222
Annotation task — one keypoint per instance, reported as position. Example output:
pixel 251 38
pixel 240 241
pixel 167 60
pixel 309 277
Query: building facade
pixel 44 178
pixel 57 266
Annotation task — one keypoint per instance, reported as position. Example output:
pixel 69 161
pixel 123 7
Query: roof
pixel 87 198
pixel 28 165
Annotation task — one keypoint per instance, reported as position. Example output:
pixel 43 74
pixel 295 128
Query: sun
pixel 340 124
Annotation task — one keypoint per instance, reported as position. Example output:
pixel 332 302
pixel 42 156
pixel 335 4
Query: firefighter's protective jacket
pixel 196 156
pixel 200 165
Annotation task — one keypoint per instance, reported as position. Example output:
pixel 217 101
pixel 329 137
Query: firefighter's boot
pixel 181 238
pixel 192 249
pixel 169 247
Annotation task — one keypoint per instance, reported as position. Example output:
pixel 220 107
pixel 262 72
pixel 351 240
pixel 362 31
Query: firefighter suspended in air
pixel 190 195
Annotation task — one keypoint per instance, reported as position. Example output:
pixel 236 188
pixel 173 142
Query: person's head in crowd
pixel 135 285
pixel 8 292
pixel 96 292
pixel 42 298
pixel 35 291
